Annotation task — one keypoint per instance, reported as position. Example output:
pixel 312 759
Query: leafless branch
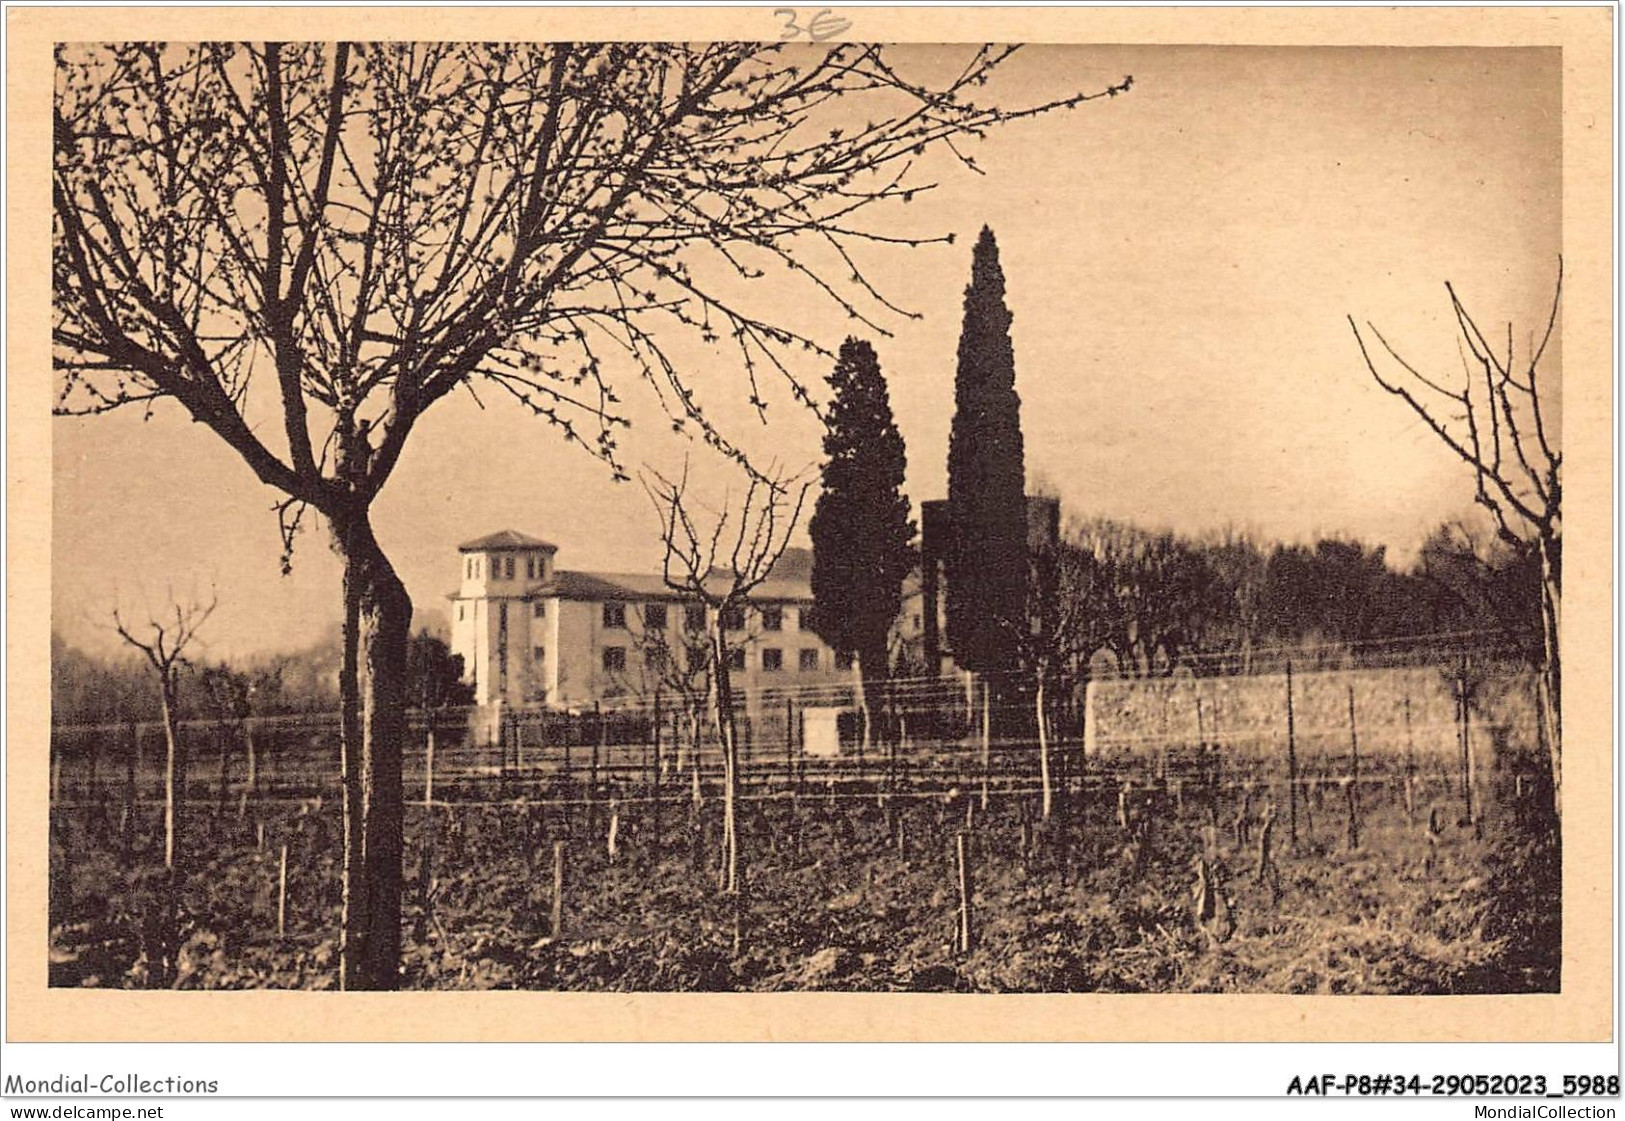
pixel 1499 430
pixel 382 224
pixel 165 636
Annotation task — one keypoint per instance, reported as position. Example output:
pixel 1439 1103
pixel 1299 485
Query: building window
pixel 694 618
pixel 539 609
pixel 614 616
pixel 809 660
pixel 614 659
pixel 496 568
pixel 468 568
pixel 772 618
pixel 736 658
pixel 655 658
pixel 696 658
pixel 538 653
pixel 459 613
pixel 733 619
pixel 502 615
pixel 772 659
pixel 530 568
pixel 654 617
pixel 507 566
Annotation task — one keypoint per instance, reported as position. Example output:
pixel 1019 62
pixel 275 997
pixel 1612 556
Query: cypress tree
pixel 861 529
pixel 986 560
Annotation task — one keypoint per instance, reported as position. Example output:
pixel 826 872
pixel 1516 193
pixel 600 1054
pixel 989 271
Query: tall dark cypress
pixel 861 529
pixel 987 556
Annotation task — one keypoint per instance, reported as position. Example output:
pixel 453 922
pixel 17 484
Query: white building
pixel 532 634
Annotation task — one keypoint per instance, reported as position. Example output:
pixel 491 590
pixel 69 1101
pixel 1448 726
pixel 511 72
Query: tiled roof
pixel 599 586
pixel 506 539
pixel 642 586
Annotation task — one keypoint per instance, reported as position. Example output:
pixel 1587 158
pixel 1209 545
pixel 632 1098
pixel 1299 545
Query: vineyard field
pixel 852 883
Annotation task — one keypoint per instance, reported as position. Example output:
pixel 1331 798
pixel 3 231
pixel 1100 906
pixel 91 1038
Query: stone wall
pixel 1398 713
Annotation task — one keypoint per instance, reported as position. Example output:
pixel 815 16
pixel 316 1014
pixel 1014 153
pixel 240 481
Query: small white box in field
pixel 821 731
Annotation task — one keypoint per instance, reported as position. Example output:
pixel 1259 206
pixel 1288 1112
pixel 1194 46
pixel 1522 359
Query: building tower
pixel 504 626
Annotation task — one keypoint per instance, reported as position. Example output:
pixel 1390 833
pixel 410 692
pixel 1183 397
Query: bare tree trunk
pixel 1043 747
pixel 174 822
pixel 252 781
pixel 873 675
pixel 730 763
pixel 861 695
pixel 694 734
pixel 372 688
pixel 174 778
pixel 1551 676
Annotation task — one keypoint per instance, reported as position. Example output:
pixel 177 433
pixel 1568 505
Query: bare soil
pixel 849 892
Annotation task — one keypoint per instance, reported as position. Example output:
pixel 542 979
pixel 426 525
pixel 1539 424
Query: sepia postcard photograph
pixel 767 514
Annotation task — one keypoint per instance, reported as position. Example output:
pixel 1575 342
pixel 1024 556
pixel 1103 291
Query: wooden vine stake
pixel 1265 829
pixel 1043 748
pixel 987 743
pixel 965 935
pixel 899 746
pixel 1464 735
pixel 1291 765
pixel 1354 777
pixel 282 893
pixel 251 782
pixel 1266 864
pixel 1410 738
pixel 428 763
pixel 558 889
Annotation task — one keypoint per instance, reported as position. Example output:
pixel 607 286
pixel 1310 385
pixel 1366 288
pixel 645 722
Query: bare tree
pixel 1069 618
pixel 229 694
pixel 374 226
pixel 1240 565
pixel 675 661
pixel 1154 596
pixel 719 568
pixel 163 641
pixel 1499 418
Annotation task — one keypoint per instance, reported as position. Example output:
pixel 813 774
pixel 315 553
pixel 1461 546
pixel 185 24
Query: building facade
pixel 532 634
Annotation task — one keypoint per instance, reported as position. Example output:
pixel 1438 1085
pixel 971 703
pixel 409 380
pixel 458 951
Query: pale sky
pixel 1179 262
